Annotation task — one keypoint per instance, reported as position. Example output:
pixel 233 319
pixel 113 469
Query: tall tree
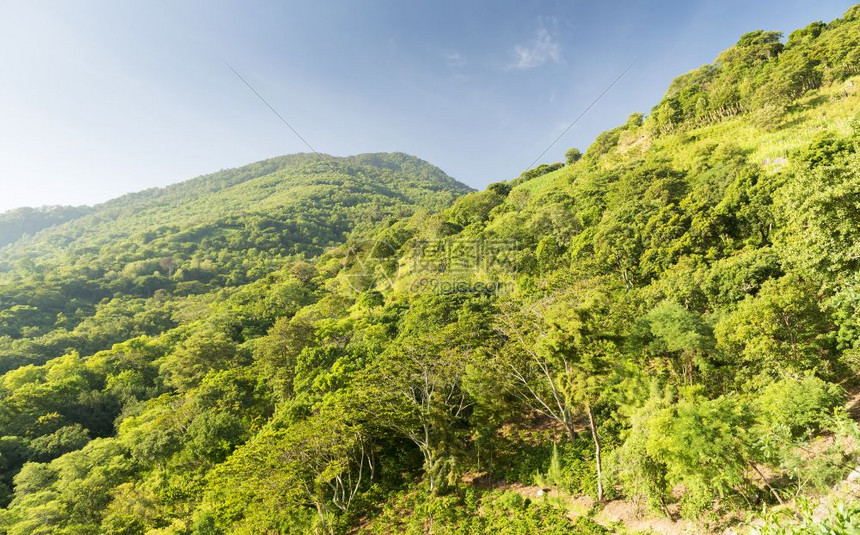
pixel 560 370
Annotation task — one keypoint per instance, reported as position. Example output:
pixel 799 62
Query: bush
pixel 798 406
pixel 572 156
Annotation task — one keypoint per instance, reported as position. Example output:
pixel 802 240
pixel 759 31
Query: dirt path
pixel 618 511
pixel 853 404
pixel 635 520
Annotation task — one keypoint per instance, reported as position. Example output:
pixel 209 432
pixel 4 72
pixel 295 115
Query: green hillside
pixel 119 269
pixel 661 336
pixel 15 224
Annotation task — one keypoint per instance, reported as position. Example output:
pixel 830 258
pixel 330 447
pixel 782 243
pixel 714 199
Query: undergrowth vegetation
pixel 363 345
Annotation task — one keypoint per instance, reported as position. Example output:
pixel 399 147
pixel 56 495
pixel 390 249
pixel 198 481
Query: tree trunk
pixel 430 469
pixel 596 452
pixel 571 432
pixel 666 509
pixel 321 514
pixel 766 483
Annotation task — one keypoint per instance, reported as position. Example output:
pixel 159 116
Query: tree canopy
pixel 363 345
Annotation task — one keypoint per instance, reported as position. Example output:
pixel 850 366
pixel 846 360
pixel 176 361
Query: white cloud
pixel 455 59
pixel 542 49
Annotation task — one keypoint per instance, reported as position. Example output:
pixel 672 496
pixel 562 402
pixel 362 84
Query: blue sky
pixel 98 99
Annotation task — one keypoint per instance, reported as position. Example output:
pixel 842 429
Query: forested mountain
pixel 15 224
pixel 120 269
pixel 660 334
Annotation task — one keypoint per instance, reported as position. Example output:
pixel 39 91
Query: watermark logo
pixel 450 287
pixel 461 256
pixel 445 266
pixel 369 263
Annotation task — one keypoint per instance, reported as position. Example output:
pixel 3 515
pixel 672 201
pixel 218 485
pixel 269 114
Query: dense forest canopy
pixel 120 269
pixel 667 321
pixel 15 224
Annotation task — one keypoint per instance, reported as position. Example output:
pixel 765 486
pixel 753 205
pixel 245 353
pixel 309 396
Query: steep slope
pixel 666 327
pixel 213 232
pixel 278 188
